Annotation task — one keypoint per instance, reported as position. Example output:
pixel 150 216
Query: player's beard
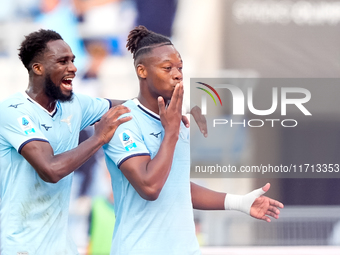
pixel 54 92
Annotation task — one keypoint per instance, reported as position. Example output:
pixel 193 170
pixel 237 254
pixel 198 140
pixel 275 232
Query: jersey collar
pixel 146 110
pixel 52 113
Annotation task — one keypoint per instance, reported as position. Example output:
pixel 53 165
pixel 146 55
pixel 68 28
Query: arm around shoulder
pixel 52 168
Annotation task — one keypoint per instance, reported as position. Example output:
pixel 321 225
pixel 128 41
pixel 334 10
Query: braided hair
pixel 141 41
pixel 35 45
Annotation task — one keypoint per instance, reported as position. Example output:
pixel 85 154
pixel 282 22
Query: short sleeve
pixel 19 127
pixel 126 143
pixel 92 109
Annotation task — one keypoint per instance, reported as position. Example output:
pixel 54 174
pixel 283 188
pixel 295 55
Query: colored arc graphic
pixel 210 87
pixel 208 93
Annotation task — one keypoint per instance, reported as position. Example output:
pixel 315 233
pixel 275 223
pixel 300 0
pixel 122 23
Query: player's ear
pixel 37 68
pixel 141 71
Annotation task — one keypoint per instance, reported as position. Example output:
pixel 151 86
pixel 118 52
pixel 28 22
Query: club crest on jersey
pixel 127 140
pixel 26 124
pixel 68 122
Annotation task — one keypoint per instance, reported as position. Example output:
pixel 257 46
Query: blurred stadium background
pixel 216 38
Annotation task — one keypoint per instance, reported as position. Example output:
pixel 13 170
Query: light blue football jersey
pixel 164 226
pixel 34 213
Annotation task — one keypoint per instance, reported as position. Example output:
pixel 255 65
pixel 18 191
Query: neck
pixel 37 93
pixel 148 99
pixel 152 105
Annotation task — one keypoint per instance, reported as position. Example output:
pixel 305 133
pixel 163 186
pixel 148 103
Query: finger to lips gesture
pixel 172 115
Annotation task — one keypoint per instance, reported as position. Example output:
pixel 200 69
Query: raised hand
pixel 172 115
pixel 264 206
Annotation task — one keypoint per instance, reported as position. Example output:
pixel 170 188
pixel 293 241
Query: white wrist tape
pixel 242 202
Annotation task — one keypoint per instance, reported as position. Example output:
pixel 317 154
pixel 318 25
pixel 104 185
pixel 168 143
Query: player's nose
pixel 72 67
pixel 177 75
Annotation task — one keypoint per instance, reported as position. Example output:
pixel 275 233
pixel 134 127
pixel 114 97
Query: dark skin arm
pixel 206 199
pixel 52 168
pixel 149 176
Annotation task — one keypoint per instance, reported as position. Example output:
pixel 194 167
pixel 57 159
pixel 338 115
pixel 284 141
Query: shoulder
pixel 77 99
pixel 79 96
pixel 133 112
pixel 15 105
pixel 131 105
pixel 17 113
pixel 131 126
pixel 88 101
pixel 136 112
pixel 13 101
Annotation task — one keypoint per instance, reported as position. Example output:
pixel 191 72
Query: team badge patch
pixel 127 140
pixel 26 124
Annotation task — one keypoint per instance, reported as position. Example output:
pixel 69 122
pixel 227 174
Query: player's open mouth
pixel 67 83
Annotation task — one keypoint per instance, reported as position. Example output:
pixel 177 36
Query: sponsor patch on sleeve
pixel 26 124
pixel 127 140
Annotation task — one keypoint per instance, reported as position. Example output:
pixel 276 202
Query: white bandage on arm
pixel 242 203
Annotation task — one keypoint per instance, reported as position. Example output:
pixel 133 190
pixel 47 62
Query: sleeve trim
pixel 30 140
pixel 110 106
pixel 110 103
pixel 131 156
